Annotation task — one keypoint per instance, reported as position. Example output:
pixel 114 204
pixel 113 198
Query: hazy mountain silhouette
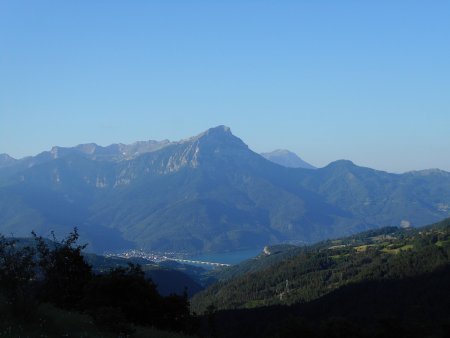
pixel 287 158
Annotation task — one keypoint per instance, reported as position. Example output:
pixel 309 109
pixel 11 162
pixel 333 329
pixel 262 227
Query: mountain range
pixel 206 193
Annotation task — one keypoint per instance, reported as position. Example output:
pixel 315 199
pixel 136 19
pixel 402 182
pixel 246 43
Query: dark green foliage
pixel 170 281
pixel 314 271
pixel 279 253
pixel 17 271
pixel 64 270
pixel 176 313
pixel 414 307
pixel 169 276
pixel 124 295
pixel 384 283
pixel 378 284
pixel 117 300
pixel 17 268
pixel 196 273
pixel 50 321
pixel 126 290
pixel 112 319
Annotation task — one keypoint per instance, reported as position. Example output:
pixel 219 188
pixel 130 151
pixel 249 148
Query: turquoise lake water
pixel 227 257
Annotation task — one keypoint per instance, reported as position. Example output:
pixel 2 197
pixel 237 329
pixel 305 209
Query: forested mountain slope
pixel 384 254
pixel 414 307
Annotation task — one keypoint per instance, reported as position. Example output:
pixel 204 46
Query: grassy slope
pixel 316 271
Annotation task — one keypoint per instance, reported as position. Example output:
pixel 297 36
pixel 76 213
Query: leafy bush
pixel 64 271
pixel 59 275
pixel 17 271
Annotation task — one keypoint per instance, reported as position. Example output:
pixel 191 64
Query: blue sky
pixel 367 81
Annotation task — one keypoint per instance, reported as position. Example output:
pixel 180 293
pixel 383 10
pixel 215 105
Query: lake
pixel 234 257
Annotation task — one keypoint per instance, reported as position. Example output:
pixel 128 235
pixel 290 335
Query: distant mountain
pixel 206 193
pixel 287 159
pixel 113 152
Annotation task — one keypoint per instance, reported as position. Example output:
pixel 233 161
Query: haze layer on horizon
pixel 365 82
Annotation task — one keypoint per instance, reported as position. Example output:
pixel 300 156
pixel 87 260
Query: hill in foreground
pixel 301 275
pixel 388 283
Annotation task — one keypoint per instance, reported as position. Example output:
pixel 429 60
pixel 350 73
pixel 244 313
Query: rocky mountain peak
pixel 217 137
pixel 219 131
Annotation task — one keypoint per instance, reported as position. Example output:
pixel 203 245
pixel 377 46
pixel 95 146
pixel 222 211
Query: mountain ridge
pixel 209 193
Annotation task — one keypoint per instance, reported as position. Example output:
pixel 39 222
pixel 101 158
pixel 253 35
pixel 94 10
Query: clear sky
pixel 367 81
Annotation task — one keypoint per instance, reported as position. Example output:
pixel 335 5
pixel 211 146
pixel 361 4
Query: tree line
pixel 55 272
